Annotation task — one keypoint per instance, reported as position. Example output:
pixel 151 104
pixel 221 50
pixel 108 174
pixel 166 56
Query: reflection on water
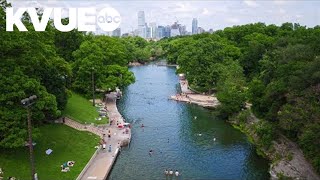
pixel 179 140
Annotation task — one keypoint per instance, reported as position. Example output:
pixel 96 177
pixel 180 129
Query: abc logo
pixel 108 19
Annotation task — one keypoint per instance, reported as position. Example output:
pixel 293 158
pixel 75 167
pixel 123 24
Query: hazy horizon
pixel 210 14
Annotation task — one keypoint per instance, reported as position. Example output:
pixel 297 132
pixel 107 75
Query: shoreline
pixel 286 158
pixel 135 64
pixel 103 161
pixel 188 96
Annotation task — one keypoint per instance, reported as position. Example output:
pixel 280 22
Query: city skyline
pixel 210 14
pixel 152 30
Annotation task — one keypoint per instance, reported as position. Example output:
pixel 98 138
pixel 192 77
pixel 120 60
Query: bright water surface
pixel 173 133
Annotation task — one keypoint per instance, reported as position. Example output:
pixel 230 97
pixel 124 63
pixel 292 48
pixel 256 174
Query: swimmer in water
pixel 142 125
pixel 166 172
pixel 177 173
pixel 170 172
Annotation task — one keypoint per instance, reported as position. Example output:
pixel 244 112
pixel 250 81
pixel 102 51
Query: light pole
pixel 93 87
pixel 26 103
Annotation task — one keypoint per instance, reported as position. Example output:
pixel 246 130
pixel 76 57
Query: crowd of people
pixel 181 96
pixel 171 173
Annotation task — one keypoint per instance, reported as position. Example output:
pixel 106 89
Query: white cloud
pixel 280 2
pixel 232 20
pixel 205 11
pixel 184 7
pixel 282 11
pixel 251 3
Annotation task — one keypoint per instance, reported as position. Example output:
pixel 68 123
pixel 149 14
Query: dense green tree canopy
pixel 137 49
pixel 49 64
pixel 29 66
pixel 104 57
pixel 276 68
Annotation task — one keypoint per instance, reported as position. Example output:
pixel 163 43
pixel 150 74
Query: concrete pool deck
pixel 102 161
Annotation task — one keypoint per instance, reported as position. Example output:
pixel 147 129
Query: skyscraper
pixel 194 26
pixel 147 32
pixel 183 30
pixel 201 30
pixel 153 30
pixel 167 31
pixel 141 19
pixel 175 30
pixel 160 32
pixel 141 24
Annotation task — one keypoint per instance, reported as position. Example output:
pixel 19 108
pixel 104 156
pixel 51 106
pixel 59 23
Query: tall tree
pixel 102 57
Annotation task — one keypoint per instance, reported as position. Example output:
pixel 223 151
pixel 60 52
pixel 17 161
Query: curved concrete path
pixel 101 164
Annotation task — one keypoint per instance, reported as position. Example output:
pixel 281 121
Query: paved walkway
pixel 81 127
pixel 102 162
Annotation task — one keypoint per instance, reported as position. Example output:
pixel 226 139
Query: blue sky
pixel 215 14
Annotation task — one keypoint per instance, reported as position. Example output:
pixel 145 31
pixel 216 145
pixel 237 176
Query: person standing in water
pixel 166 172
pixel 177 173
pixel 170 172
pixel 150 152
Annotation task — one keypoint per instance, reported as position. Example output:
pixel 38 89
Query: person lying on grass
pixel 70 163
pixel 64 168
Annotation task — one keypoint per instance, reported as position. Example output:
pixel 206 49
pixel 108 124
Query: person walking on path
pixel 110 148
pixel 103 144
pixel 109 134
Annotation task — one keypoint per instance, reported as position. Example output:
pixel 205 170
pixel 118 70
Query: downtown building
pixel 194 26
pixel 175 29
pixel 142 29
pixel 116 32
pixel 160 32
pixel 154 32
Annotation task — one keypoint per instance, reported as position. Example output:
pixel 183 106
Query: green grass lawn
pixel 66 143
pixel 80 109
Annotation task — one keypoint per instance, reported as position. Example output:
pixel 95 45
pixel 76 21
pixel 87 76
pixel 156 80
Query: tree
pixel 254 47
pixel 174 47
pixel 104 57
pixel 67 42
pixel 29 66
pixel 231 90
pixel 15 87
pixel 200 59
